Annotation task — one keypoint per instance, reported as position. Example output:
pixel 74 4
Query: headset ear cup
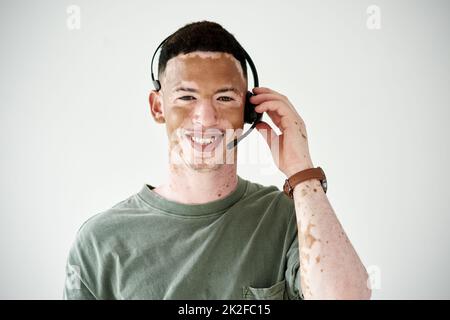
pixel 250 114
pixel 157 85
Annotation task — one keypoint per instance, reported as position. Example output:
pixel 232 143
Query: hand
pixel 291 153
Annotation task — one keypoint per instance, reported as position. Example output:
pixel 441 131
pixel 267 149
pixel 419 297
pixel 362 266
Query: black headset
pixel 250 115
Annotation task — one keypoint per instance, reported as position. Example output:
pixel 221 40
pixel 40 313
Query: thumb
pixel 267 132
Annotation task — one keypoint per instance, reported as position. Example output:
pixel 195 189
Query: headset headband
pixel 157 84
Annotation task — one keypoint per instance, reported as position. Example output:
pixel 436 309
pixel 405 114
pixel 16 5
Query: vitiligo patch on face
pixel 198 65
pixel 214 55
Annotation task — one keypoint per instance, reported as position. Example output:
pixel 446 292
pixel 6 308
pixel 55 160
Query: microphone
pixel 235 141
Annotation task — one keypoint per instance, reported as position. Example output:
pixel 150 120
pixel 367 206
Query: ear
pixel 156 107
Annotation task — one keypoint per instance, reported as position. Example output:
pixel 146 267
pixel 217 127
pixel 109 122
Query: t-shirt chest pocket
pixel 274 292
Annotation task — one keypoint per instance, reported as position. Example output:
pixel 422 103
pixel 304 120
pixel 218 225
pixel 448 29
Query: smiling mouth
pixel 204 143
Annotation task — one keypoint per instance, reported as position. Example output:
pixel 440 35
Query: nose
pixel 205 114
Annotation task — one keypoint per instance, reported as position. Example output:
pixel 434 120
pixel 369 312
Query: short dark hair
pixel 200 36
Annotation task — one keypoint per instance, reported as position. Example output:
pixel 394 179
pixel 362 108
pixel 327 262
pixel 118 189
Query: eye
pixel 186 98
pixel 226 98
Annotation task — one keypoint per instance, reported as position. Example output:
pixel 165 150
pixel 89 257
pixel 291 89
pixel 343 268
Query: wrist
pixel 305 176
pixel 294 169
pixel 311 183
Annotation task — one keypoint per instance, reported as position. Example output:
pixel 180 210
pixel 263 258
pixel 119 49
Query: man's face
pixel 202 98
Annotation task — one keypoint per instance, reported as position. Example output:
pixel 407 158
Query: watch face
pixel 324 184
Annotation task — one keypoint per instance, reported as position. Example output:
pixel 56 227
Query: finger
pixel 261 90
pixel 275 117
pixel 276 106
pixel 259 98
pixel 264 90
pixel 267 132
pixel 282 121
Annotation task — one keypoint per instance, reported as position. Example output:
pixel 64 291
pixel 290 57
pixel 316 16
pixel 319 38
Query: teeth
pixel 203 140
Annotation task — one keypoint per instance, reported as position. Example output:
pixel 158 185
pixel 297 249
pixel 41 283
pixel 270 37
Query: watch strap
pixel 308 174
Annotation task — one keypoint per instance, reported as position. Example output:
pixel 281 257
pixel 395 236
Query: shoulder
pixel 267 193
pixel 268 197
pixel 106 224
pixel 92 251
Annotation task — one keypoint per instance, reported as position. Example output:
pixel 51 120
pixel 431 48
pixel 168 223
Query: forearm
pixel 329 265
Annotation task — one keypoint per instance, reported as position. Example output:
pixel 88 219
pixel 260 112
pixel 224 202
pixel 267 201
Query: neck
pixel 190 186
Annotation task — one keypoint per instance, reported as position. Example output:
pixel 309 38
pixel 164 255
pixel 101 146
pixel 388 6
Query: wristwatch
pixel 312 173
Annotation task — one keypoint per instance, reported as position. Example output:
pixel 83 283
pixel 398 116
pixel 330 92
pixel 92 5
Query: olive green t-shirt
pixel 243 246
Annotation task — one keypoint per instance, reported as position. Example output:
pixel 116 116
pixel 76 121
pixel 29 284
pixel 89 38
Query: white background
pixel 77 136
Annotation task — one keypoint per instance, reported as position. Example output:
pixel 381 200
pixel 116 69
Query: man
pixel 208 233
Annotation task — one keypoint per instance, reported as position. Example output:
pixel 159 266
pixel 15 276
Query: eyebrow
pixel 218 91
